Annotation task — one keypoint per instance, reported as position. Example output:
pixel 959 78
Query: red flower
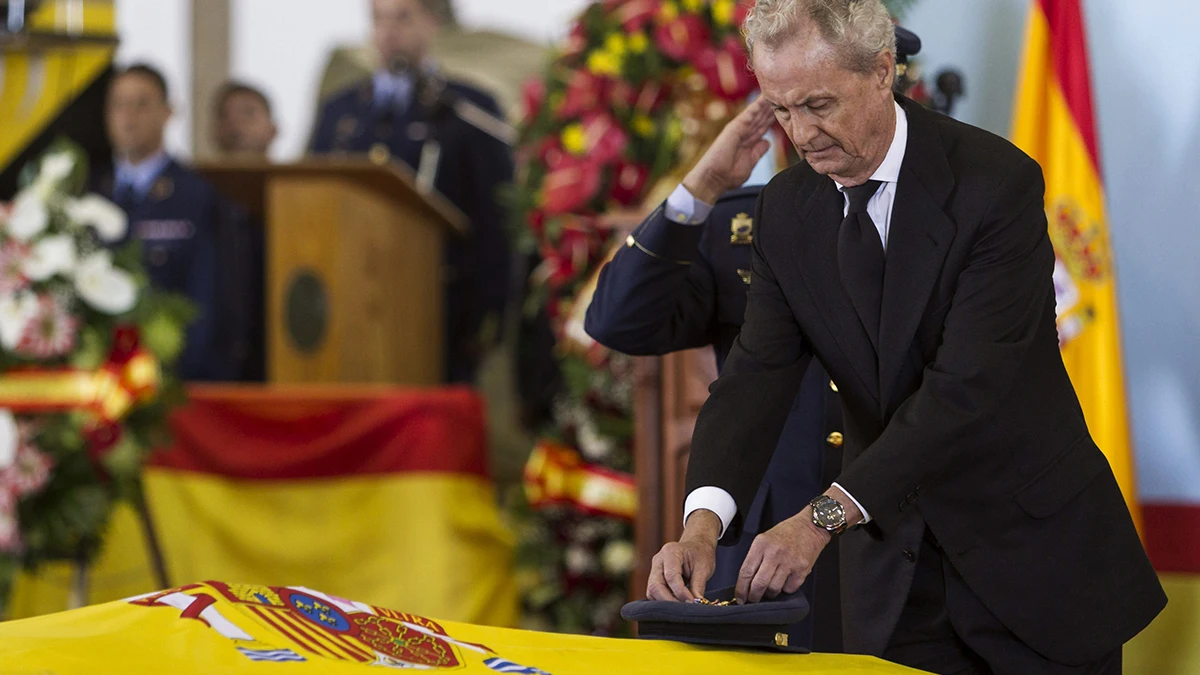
pixel 576 41
pixel 101 438
pixel 629 182
pixel 126 343
pixel 586 92
pixel 533 95
pixel 741 11
pixel 571 187
pixel 536 219
pixel 652 95
pixel 725 69
pixel 28 473
pixel 635 14
pixel 682 37
pixel 606 140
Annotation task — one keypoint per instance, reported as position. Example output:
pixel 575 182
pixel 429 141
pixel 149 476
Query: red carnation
pixel 570 187
pixel 682 37
pixel 651 96
pixel 629 181
pixel 725 70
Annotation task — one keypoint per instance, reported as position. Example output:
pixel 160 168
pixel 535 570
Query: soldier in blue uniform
pixel 680 283
pixel 389 116
pixel 189 235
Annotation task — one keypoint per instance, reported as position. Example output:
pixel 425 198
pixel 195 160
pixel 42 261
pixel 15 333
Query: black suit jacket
pixel 964 422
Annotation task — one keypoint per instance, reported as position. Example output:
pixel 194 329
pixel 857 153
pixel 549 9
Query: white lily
pixel 49 256
pixel 28 218
pixel 16 311
pixel 56 167
pixel 10 438
pixel 94 211
pixel 104 287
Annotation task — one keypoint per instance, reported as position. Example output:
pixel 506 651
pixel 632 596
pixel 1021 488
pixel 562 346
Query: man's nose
pixel 803 133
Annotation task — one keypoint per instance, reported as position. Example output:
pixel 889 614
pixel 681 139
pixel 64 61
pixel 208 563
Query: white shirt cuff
pixel 682 207
pixel 713 499
pixel 866 516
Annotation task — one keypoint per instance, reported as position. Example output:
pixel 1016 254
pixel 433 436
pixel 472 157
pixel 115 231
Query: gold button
pixel 379 154
pixel 833 386
pixel 630 242
pixel 781 639
pixel 835 439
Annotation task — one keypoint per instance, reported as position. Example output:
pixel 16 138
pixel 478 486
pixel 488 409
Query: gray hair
pixel 858 30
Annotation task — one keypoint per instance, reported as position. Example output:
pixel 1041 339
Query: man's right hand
pixel 680 570
pixel 730 160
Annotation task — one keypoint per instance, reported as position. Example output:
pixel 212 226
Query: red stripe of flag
pixel 1068 45
pixel 277 622
pixel 319 636
pixel 1172 534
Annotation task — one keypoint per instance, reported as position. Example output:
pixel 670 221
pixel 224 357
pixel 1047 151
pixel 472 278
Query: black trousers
pixel 945 629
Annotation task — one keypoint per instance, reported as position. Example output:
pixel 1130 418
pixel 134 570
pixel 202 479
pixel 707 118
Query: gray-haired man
pixel 909 253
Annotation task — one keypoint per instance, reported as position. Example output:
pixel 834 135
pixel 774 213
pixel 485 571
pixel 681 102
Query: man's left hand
pixel 781 558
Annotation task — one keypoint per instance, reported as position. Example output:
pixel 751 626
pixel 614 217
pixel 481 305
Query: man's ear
pixel 885 69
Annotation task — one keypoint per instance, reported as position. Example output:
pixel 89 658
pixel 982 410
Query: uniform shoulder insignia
pixel 741 229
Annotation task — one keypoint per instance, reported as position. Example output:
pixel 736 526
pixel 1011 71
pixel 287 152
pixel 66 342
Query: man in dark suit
pixel 910 255
pixel 190 237
pixel 680 283
pixel 389 117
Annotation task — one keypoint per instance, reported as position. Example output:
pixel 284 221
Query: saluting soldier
pixel 189 235
pixel 388 117
pixel 680 283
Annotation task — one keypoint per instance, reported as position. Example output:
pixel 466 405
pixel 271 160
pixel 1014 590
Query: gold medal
pixel 740 229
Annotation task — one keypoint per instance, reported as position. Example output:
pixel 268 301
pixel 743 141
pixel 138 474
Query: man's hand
pixel 781 558
pixel 681 570
pixel 730 160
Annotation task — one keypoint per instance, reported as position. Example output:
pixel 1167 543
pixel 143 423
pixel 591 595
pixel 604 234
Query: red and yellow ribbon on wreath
pixel 556 474
pixel 130 376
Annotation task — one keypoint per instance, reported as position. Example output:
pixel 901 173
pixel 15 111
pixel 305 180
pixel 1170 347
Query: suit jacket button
pixel 912 498
pixel 909 555
pixel 835 439
pixel 903 505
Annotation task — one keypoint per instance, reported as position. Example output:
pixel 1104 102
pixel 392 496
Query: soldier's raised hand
pixel 730 160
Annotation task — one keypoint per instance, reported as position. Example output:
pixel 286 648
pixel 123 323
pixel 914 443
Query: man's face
pixel 840 121
pixel 136 114
pixel 244 125
pixel 402 29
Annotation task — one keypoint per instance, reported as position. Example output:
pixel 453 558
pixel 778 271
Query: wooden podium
pixel 354 268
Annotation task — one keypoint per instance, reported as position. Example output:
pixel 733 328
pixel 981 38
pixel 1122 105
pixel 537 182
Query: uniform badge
pixel 379 154
pixel 740 229
pixel 162 189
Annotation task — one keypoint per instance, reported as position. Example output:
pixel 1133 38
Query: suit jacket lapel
pixel 820 215
pixel 918 239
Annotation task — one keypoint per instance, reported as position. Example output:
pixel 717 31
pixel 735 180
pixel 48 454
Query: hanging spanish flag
pixel 1053 121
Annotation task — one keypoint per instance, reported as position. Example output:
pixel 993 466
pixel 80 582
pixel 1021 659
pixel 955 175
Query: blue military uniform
pixel 193 243
pixel 472 168
pixel 676 286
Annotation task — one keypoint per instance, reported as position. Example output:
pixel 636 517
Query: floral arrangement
pixel 638 90
pixel 83 394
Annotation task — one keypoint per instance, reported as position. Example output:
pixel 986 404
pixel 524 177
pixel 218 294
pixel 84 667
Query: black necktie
pixel 860 258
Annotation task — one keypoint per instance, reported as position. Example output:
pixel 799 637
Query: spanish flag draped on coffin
pixel 216 627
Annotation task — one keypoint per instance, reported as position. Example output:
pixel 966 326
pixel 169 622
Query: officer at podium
pixel 680 283
pixel 404 113
pixel 189 235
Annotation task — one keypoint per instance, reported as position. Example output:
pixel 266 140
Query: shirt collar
pixel 889 170
pixel 391 87
pixel 141 175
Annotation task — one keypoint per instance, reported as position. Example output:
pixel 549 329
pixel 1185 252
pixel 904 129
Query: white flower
pixel 10 438
pixel 28 218
pixel 103 286
pixel 56 167
pixel 618 557
pixel 94 211
pixel 593 446
pixel 577 559
pixel 50 256
pixel 16 311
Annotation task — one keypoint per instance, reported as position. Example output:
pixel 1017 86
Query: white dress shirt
pixel 682 207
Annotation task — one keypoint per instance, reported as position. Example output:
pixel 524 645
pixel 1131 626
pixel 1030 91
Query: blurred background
pixel 367 318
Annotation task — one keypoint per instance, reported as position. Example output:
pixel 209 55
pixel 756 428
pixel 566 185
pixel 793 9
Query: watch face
pixel 829 513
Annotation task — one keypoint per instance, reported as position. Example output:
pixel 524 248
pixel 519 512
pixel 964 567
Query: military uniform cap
pixel 761 625
pixel 908 44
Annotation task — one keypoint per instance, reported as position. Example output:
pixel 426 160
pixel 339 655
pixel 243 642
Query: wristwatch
pixel 828 514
